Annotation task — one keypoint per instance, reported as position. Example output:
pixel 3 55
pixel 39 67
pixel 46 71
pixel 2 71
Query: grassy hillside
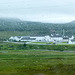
pixel 4 35
pixel 15 27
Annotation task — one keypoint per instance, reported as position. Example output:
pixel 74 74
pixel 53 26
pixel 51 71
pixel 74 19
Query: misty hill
pixel 72 21
pixel 10 24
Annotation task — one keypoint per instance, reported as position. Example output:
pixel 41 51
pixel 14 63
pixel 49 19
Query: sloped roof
pixel 27 38
pixel 73 40
pixel 55 35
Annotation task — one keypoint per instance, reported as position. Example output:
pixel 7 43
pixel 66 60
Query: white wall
pixel 70 42
pixel 57 38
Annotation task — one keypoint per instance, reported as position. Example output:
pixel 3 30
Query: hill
pixel 17 27
pixel 72 22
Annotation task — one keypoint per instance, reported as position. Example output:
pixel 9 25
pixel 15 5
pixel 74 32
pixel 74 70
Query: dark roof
pixel 27 38
pixel 56 35
pixel 65 37
pixel 33 36
pixel 19 36
pixel 73 40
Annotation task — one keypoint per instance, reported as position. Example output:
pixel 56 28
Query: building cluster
pixel 53 38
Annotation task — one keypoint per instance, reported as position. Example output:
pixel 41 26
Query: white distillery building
pixel 30 38
pixel 71 40
pixel 53 38
pixel 15 38
pixel 56 38
pixel 65 39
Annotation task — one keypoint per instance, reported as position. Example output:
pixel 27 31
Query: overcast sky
pixel 39 10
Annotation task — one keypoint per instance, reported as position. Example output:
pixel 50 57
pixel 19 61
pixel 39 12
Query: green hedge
pixel 52 47
pixel 11 46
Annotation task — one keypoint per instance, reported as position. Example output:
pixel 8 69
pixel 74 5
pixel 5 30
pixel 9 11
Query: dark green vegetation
pixel 23 59
pixel 36 62
pixel 15 27
pixel 14 46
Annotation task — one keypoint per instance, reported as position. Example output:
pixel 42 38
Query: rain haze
pixel 55 11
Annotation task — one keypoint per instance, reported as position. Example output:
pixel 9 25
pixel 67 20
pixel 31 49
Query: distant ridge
pixel 72 21
pixel 9 19
pixel 37 28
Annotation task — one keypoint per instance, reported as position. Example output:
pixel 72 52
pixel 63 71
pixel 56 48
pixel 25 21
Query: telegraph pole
pixel 63 33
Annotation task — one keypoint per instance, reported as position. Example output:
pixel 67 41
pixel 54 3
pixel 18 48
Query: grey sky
pixel 39 10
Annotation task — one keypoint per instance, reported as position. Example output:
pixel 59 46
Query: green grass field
pixel 36 62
